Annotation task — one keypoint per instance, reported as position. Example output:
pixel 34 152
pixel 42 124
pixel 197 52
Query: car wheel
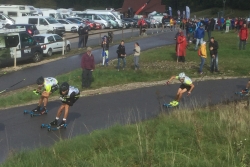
pixel 37 57
pixel 67 48
pixel 103 26
pixel 49 53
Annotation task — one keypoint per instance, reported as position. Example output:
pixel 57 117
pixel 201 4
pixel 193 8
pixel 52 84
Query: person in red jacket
pixel 181 45
pixel 88 66
pixel 141 23
pixel 243 35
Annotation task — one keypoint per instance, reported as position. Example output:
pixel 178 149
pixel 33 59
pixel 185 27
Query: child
pixel 69 95
pixel 202 52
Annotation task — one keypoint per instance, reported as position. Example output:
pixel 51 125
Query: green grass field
pixel 156 65
pixel 208 137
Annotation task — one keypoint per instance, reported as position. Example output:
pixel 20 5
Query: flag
pixel 187 12
pixel 170 11
pixel 178 12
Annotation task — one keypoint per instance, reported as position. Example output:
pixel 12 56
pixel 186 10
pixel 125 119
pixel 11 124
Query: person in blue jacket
pixel 199 36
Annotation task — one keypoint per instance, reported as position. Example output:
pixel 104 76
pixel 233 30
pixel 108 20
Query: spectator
pixel 177 34
pixel 163 22
pixel 199 36
pixel 213 47
pixel 228 22
pixel 88 66
pixel 209 28
pixel 232 24
pixel 83 36
pixel 219 24
pixel 212 23
pixel 137 53
pixel 171 23
pixel 222 23
pixel 105 51
pixel 181 45
pixel 141 23
pixel 203 54
pixel 121 55
pixel 243 35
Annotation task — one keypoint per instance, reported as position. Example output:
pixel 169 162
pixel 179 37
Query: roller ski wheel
pixel 168 105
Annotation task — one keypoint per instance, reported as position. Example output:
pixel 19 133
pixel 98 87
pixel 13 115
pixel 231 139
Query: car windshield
pixel 39 39
pixel 74 21
pixel 51 20
pixel 105 17
pixel 114 15
pixel 6 16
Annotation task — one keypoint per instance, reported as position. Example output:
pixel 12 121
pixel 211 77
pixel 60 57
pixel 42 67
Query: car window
pixel 32 27
pixel 63 22
pixel 42 21
pixel 33 21
pixel 26 39
pixel 96 17
pixel 58 38
pixel 39 39
pixel 50 39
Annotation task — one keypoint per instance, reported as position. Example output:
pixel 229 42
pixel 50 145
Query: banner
pixel 170 11
pixel 179 13
pixel 184 13
pixel 187 12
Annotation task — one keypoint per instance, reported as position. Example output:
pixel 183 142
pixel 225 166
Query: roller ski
pixel 244 92
pixel 36 112
pixel 54 126
pixel 172 104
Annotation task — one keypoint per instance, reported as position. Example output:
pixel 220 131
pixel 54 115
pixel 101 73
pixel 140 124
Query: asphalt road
pixel 71 63
pixel 19 131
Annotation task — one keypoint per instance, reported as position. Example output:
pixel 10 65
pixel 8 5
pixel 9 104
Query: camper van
pixel 65 12
pixel 96 18
pixel 51 13
pixel 11 40
pixel 44 24
pixel 14 11
pixel 113 15
pixel 5 20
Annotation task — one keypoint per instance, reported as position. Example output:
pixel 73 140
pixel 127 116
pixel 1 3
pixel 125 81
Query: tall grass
pixel 206 137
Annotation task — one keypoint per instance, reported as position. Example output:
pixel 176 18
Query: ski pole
pixel 12 86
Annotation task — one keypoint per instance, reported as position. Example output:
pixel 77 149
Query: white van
pixel 65 12
pixel 44 24
pixel 15 11
pixel 5 20
pixel 114 16
pixel 51 13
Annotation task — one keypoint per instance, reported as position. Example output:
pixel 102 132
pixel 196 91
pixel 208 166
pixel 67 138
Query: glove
pixel 62 98
pixel 36 92
pixel 134 50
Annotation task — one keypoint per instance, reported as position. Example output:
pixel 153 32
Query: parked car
pixel 77 20
pixel 90 23
pixel 69 26
pixel 53 43
pixel 127 24
pixel 30 28
pixel 131 21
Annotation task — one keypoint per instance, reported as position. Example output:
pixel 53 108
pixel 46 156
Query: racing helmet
pixel 182 75
pixel 40 81
pixel 64 87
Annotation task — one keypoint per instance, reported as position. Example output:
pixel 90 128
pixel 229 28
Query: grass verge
pixel 155 65
pixel 212 136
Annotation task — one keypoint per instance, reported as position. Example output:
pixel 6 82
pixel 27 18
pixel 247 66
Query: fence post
pixel 100 40
pixel 132 32
pixel 122 33
pixel 15 55
pixel 63 47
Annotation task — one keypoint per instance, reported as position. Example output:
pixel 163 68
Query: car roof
pixel 45 35
pixel 23 24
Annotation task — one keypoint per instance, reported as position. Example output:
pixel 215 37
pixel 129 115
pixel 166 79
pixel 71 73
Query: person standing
pixel 181 45
pixel 137 53
pixel 199 35
pixel 209 27
pixel 81 37
pixel 85 35
pixel 203 54
pixel 213 47
pixel 243 35
pixel 68 95
pixel 88 66
pixel 121 55
pixel 228 22
pixel 141 23
pixel 171 23
pixel 105 51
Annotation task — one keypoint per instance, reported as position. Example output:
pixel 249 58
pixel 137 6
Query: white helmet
pixel 182 75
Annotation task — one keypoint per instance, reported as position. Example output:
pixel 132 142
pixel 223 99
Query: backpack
pixel 199 52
